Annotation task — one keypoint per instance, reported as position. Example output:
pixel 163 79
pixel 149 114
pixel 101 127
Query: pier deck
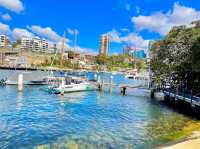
pixel 187 97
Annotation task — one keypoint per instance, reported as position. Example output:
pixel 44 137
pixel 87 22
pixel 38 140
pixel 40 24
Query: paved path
pixel 189 144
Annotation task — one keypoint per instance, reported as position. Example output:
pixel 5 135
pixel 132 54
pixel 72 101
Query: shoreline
pixel 189 138
pixel 41 69
pixel 51 69
pixel 187 143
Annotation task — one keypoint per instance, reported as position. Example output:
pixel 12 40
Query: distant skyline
pixel 132 22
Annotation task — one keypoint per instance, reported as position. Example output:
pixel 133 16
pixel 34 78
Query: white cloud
pixel 77 48
pixel 86 50
pixel 72 31
pixel 19 33
pixel 115 36
pixel 13 5
pixel 132 39
pixel 162 22
pixel 6 17
pixel 46 32
pixel 135 40
pixel 4 29
pixel 124 29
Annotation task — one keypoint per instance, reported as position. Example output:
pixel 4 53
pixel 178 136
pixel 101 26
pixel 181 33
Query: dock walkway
pixel 183 96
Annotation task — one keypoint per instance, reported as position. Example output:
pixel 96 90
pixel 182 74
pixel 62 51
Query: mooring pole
pixel 98 79
pixel 62 86
pixel 20 82
pixel 102 84
pixel 95 77
pixel 111 82
pixel 123 90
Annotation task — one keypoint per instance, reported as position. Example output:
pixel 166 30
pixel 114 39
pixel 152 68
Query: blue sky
pixel 132 22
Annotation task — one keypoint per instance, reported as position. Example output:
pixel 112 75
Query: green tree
pixel 18 42
pixel 176 57
pixel 102 59
pixel 140 64
pixel 71 54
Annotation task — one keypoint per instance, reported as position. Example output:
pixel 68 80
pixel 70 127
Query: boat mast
pixel 62 49
pixel 75 39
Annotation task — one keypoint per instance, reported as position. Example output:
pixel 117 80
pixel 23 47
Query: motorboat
pixel 130 76
pixel 69 84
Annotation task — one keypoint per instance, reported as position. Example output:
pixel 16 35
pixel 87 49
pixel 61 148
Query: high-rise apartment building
pixel 26 43
pixel 104 44
pixel 127 50
pixel 4 41
pixel 139 54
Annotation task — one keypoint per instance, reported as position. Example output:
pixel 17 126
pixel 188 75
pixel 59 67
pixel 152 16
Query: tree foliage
pixel 71 54
pixel 18 42
pixel 176 58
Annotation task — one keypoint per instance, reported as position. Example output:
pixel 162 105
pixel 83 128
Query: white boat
pixel 29 78
pixel 130 76
pixel 114 72
pixel 69 84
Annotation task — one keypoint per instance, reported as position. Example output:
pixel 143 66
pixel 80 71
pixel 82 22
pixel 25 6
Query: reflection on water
pixel 72 97
pixel 19 101
pixel 36 119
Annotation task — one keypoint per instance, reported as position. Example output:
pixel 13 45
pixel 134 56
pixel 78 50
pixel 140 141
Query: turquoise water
pixel 36 119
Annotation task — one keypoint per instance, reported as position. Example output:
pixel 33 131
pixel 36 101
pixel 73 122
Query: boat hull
pixel 25 83
pixel 77 88
pixel 71 88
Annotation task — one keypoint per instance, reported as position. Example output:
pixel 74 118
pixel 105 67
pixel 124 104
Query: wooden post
pixel 123 90
pixel 62 86
pixel 110 82
pixel 99 79
pixel 20 82
pixel 152 94
pixel 100 85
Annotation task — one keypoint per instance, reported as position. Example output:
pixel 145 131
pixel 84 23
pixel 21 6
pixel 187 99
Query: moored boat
pixel 29 78
pixel 130 76
pixel 69 84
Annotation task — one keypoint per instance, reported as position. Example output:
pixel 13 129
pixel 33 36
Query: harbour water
pixel 85 120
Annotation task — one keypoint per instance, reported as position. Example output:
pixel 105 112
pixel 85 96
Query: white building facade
pixel 34 44
pixel 4 41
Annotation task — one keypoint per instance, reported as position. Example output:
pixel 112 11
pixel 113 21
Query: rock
pixel 42 147
pixel 72 145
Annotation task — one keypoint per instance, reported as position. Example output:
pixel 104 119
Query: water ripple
pixel 86 120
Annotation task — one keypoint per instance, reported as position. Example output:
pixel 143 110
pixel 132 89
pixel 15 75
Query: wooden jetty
pixel 185 96
pixel 180 98
pixel 123 87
